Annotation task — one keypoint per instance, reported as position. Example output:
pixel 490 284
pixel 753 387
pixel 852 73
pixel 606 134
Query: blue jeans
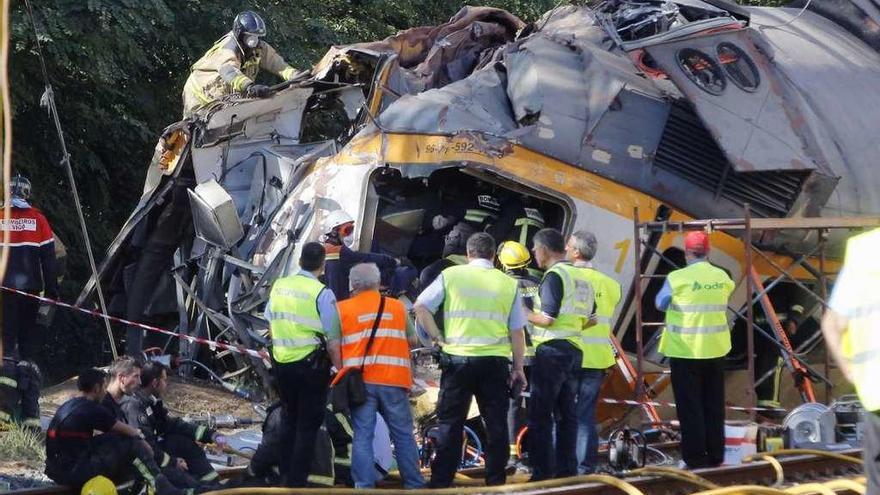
pixel 393 404
pixel 588 436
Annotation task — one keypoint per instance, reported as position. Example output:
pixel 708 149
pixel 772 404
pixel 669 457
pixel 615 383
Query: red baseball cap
pixel 696 241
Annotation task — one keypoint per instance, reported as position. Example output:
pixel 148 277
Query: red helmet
pixel 696 242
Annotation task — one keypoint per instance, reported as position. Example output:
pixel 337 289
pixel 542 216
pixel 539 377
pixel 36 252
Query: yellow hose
pixel 743 489
pixel 676 474
pixel 845 484
pixel 592 478
pixel 805 488
pixel 832 455
pixel 777 466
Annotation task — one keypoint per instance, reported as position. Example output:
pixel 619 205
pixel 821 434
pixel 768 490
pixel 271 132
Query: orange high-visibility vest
pixel 388 362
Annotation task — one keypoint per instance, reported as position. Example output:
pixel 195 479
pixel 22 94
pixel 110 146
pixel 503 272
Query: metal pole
pixel 637 299
pixel 750 316
pixel 823 290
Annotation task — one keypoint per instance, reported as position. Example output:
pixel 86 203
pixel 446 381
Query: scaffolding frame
pixel 803 374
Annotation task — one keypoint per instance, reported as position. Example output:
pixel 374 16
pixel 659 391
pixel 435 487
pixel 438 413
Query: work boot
pixel 165 487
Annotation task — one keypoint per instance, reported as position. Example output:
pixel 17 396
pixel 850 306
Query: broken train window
pixel 702 70
pixel 738 66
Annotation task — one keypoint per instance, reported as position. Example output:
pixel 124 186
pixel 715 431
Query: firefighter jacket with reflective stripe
pixel 148 414
pixel 476 309
pixel 226 68
pixel 388 360
pixel 696 319
pixel 294 320
pixel 595 341
pixel 575 309
pixel 31 246
pixel 20 393
pixel 529 291
pixel 861 341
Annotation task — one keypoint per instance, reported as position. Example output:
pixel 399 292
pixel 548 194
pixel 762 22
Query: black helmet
pixel 248 22
pixel 20 187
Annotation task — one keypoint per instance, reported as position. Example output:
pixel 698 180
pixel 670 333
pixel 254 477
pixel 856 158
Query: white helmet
pixel 335 219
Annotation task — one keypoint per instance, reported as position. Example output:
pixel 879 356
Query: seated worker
pixel 232 65
pixel 19 394
pixel 338 238
pixel 75 455
pixel 173 440
pixel 332 462
pixel 125 377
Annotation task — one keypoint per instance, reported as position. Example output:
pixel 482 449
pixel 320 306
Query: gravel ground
pixel 19 475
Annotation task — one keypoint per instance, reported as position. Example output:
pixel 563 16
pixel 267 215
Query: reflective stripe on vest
pixel 388 362
pixel 861 341
pixel 293 317
pixel 574 310
pixel 598 352
pixel 478 216
pixel 476 308
pixel 9 382
pixel 696 320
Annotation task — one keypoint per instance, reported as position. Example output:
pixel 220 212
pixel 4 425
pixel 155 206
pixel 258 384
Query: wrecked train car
pixel 684 109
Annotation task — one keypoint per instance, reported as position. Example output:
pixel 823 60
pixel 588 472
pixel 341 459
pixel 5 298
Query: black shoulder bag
pixel 348 390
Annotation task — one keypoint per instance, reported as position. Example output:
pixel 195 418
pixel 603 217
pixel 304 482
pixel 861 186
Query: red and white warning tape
pixel 210 343
pixel 264 355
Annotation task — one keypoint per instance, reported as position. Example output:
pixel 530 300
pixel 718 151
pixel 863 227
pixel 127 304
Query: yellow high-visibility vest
pixel 575 310
pixel 696 320
pixel 595 341
pixel 861 341
pixel 476 310
pixel 293 317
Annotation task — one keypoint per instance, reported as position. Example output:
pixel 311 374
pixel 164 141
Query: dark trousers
pixel 187 449
pixel 556 373
pixel 303 389
pixel 698 387
pixel 20 332
pixel 114 456
pixel 463 379
pixel 871 450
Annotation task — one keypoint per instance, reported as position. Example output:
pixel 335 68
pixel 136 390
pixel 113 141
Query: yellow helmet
pixel 99 485
pixel 513 255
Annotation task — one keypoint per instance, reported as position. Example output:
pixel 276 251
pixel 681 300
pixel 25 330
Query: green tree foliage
pixel 118 68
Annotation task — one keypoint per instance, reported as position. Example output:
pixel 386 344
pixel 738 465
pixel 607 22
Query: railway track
pixel 802 468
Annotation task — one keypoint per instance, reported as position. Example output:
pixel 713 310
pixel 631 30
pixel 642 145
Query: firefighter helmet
pixel 248 28
pixel 513 255
pixel 99 485
pixel 20 187
pixel 335 219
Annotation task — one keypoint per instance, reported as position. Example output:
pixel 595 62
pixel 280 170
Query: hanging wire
pixel 48 101
pixel 7 140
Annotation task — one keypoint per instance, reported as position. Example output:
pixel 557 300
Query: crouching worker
pixel 173 440
pixel 376 335
pixel 75 455
pixel 332 461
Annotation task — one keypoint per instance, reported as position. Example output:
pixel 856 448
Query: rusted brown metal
pixel 637 300
pixel 750 314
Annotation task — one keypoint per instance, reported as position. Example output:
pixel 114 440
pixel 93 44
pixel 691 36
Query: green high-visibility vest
pixel 861 340
pixel 476 308
pixel 595 341
pixel 293 317
pixel 696 320
pixel 575 310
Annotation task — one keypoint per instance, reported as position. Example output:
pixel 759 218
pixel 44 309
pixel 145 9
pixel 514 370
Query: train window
pixel 738 66
pixel 702 70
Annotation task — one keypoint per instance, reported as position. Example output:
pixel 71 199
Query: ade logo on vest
pixel 714 286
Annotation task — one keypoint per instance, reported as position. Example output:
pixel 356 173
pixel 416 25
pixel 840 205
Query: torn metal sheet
pixel 687 107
